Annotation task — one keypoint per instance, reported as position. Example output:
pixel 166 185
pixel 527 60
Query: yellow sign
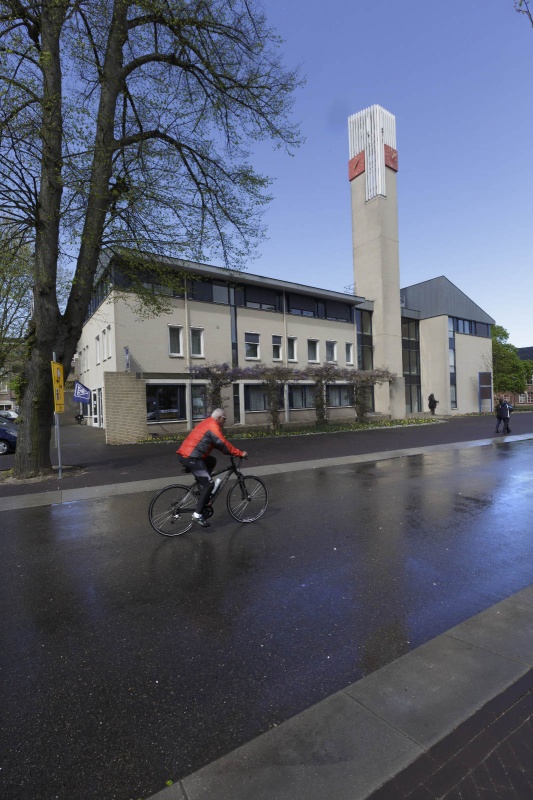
pixel 59 387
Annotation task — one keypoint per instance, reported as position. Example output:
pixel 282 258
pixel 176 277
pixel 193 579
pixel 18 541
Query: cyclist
pixel 194 452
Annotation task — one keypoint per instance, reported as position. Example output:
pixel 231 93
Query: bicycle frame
pixel 233 469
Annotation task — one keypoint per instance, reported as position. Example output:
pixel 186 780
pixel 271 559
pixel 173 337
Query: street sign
pixel 59 387
pixel 81 393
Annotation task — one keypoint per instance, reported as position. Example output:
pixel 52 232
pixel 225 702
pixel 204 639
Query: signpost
pixel 58 384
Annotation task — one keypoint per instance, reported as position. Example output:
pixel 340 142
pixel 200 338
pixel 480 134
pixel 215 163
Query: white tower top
pixel 372 137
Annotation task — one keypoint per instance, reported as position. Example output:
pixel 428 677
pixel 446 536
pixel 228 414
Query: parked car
pixel 8 437
pixel 8 414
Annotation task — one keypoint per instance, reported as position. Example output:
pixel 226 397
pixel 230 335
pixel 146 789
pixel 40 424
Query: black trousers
pixel 505 421
pixel 201 468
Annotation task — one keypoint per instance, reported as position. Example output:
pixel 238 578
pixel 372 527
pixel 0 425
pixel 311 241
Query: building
pixel 430 335
pixel 139 371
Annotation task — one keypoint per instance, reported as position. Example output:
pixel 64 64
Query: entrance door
pixel 100 409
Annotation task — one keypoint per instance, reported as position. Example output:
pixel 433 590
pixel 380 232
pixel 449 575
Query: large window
pixel 312 350
pixel 365 358
pixel 199 401
pixel 411 364
pixel 220 293
pixel 468 326
pixel 251 345
pixel 331 351
pixel 339 396
pixel 349 353
pixel 255 398
pixel 301 305
pixel 175 340
pixel 301 396
pixel 197 342
pixel 263 298
pixel 165 403
pixel 276 348
pixel 291 349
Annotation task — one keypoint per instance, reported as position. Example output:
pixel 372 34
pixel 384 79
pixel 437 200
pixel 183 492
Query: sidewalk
pixel 451 719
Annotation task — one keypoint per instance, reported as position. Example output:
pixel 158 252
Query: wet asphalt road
pixel 130 659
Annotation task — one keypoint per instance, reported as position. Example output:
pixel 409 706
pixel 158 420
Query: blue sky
pixel 458 78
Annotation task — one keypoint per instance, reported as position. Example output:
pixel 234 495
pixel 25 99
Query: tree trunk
pixel 52 332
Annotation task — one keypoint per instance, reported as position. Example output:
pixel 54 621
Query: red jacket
pixel 203 438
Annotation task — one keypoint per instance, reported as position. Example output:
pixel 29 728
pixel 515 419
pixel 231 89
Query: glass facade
pixel 411 364
pixel 365 357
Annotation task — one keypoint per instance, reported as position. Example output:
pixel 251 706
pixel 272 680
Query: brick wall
pixel 125 408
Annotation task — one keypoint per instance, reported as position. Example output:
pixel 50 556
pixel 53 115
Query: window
pixel 530 397
pixel 175 340
pixel 262 298
pixel 104 345
pixel 331 351
pixel 276 348
pixel 255 398
pixel 301 397
pixel 197 342
pixel 291 349
pixel 522 398
pixel 453 395
pixel 302 305
pixel 97 343
pixel 312 350
pixel 251 345
pixel 349 353
pixel 365 358
pixel 165 403
pixel 108 338
pixel 200 290
pixel 342 312
pixel 220 293
pixel 451 354
pixel 339 396
pixel 199 402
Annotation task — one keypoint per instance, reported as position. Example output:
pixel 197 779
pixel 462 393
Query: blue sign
pixel 81 393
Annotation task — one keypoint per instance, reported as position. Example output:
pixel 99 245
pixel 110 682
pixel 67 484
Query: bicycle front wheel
pixel 170 511
pixel 247 499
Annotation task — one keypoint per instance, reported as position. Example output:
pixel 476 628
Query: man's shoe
pixel 200 520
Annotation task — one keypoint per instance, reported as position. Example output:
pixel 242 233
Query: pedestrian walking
pixel 432 403
pixel 503 414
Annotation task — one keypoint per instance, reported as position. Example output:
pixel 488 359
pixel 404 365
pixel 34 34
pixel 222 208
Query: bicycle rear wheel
pixel 170 511
pixel 247 499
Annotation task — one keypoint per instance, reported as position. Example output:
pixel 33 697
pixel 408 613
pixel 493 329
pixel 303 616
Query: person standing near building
pixel 194 455
pixel 432 403
pixel 503 414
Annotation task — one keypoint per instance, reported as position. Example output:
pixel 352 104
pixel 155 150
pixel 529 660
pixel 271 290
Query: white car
pixel 8 414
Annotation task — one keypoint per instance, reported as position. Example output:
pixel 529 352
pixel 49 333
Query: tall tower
pixel 372 173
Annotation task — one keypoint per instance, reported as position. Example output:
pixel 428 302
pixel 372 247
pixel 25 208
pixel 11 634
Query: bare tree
pixel 361 381
pixel 523 7
pixel 321 375
pixel 125 125
pixel 218 377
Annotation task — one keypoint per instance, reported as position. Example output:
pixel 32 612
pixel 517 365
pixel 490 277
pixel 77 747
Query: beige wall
pixel 125 408
pixel 473 355
pixel 434 362
pixel 377 277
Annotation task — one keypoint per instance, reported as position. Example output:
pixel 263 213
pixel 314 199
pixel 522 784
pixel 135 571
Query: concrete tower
pixel 372 173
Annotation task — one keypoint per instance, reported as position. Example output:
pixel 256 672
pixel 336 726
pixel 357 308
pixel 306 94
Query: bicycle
pixel 170 511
